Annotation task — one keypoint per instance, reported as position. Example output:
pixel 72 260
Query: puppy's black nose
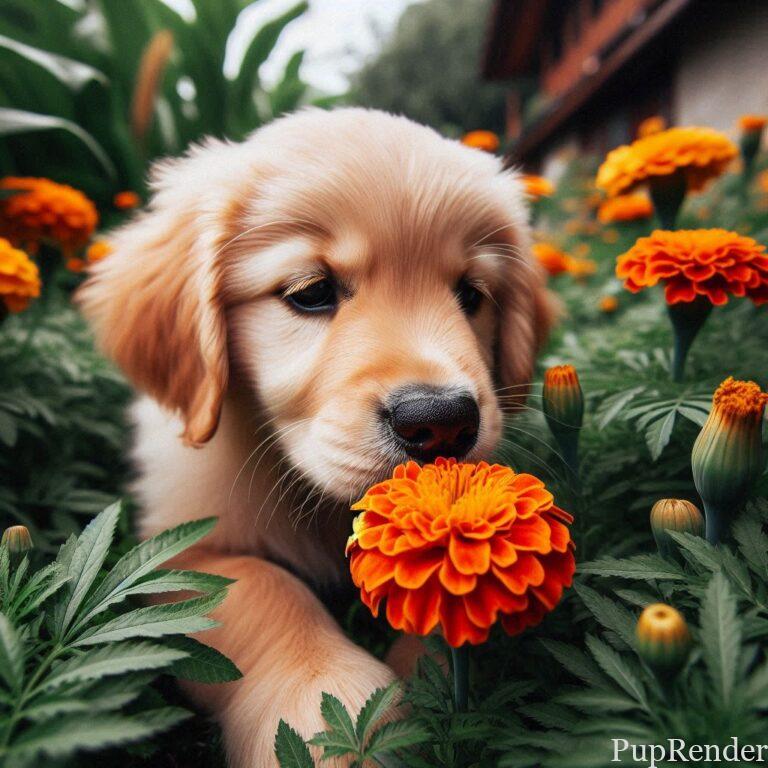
pixel 431 421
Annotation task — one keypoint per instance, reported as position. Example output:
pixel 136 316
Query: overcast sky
pixel 336 34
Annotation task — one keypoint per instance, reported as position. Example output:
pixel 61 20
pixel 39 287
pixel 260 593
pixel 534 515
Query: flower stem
pixel 716 523
pixel 668 193
pixel 460 658
pixel 687 319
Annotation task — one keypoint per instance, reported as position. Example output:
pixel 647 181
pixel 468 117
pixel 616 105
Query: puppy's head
pixel 367 279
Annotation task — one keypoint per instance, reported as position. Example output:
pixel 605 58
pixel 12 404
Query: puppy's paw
pixel 250 722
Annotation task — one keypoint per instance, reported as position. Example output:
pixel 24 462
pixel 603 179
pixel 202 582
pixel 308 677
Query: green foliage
pixel 85 98
pixel 75 658
pixel 429 69
pixel 371 738
pixel 62 432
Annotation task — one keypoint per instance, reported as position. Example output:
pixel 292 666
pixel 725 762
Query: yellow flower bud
pixel 17 539
pixel 663 638
pixel 675 515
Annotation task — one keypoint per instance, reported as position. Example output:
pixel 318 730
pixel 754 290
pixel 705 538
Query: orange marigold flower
pixel 651 125
pixel 551 258
pixel 462 546
pixel 44 211
pixel 697 262
pixel 126 200
pixel 699 153
pixel 538 186
pixel 488 141
pixel 19 278
pixel 609 304
pixel 752 123
pixel 625 208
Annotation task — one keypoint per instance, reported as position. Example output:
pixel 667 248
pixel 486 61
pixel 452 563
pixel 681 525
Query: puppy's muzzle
pixel 428 422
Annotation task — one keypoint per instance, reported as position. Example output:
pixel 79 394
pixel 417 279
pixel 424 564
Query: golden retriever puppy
pixel 341 292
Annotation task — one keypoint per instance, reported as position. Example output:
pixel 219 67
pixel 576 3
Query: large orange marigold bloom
pixel 625 208
pixel 488 141
pixel 714 263
pixel 19 278
pixel 44 211
pixel 538 186
pixel 699 153
pixel 462 546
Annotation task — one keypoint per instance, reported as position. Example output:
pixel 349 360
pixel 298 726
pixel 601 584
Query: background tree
pixel 429 69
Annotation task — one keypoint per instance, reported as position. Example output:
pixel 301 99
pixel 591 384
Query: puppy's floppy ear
pixel 153 302
pixel 528 308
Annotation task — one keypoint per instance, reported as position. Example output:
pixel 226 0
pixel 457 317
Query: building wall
pixel 723 69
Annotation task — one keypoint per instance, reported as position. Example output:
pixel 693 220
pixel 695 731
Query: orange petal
pixel 532 534
pixel 413 570
pixel 457 627
pixel 527 571
pixel 422 606
pixel 503 552
pixel 454 581
pixel 469 556
pixel 370 569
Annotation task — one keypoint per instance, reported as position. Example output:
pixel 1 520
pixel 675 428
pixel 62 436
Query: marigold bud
pixel 663 638
pixel 564 410
pixel 727 456
pixel 677 515
pixel 17 539
pixel 563 399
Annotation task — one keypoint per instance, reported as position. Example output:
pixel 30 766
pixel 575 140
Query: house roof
pixel 515 29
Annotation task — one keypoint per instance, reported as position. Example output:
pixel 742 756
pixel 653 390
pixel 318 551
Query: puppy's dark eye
pixel 469 296
pixel 320 296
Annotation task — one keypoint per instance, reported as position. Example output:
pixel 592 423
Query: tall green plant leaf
pixel 721 635
pixel 13 121
pixel 85 564
pixel 74 74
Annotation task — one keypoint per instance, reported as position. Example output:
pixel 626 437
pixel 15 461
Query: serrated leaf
pixel 290 749
pixel 184 617
pixel 618 669
pixel 658 434
pixel 62 736
pixel 641 567
pixel 85 563
pixel 143 559
pixel 753 543
pixel 11 655
pixel 698 550
pixel 397 735
pixel 613 405
pixel 161 581
pixel 335 714
pixel 602 701
pixel 202 663
pixel 720 635
pixel 112 660
pixel 576 662
pixel 609 613
pixel 377 704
